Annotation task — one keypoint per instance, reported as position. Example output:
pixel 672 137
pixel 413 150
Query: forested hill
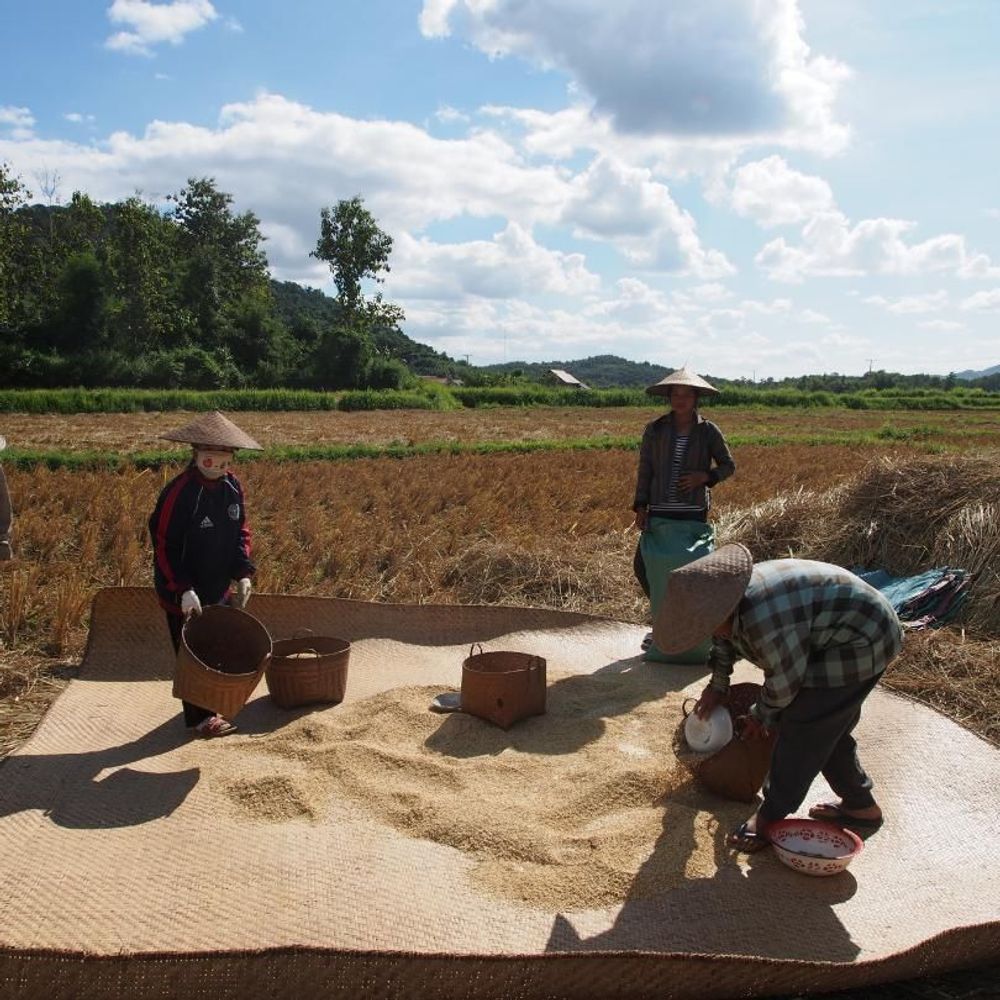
pixel 295 305
pixel 603 371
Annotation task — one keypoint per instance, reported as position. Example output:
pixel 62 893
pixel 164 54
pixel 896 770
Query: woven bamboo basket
pixel 222 654
pixel 503 687
pixel 294 679
pixel 737 770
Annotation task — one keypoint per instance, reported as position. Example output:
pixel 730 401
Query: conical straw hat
pixel 680 377
pixel 700 596
pixel 213 429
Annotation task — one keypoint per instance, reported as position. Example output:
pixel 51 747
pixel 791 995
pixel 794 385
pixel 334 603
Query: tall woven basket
pixel 503 687
pixel 222 654
pixel 308 670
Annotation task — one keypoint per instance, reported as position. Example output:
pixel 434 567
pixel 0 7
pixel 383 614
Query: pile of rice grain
pixel 575 809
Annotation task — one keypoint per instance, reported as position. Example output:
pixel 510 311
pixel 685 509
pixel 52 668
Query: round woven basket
pixel 222 654
pixel 737 770
pixel 294 679
pixel 503 686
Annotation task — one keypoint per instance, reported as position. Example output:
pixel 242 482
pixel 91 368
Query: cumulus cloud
pixel 719 67
pixel 910 304
pixel 511 265
pixel 772 194
pixel 16 123
pixel 626 206
pixel 149 24
pixel 831 246
pixel 986 301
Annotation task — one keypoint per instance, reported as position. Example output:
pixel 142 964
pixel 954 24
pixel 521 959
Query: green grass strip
pixel 102 460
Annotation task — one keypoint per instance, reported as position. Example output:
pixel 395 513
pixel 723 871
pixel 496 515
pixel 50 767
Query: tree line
pixel 131 294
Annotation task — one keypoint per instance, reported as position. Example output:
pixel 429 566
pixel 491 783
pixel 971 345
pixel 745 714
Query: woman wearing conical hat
pixel 681 458
pixel 6 513
pixel 201 538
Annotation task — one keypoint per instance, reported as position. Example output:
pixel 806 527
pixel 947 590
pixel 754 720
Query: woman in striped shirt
pixel 681 458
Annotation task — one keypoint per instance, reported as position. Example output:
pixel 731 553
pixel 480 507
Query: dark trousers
pixel 193 714
pixel 814 737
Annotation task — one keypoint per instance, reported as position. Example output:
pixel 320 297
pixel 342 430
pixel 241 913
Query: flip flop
pixel 746 840
pixel 213 726
pixel 831 812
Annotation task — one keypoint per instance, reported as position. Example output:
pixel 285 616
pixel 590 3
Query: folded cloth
pixel 926 600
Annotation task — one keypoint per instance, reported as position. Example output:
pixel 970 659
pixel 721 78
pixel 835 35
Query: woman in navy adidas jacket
pixel 201 539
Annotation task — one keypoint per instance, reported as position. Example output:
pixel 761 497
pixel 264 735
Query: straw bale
pixel 904 515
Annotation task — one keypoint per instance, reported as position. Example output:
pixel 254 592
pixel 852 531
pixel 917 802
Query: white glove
pixel 243 589
pixel 190 604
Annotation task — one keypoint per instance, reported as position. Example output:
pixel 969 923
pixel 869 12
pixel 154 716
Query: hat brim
pixel 699 597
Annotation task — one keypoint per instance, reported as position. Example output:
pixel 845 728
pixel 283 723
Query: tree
pixel 222 252
pixel 13 239
pixel 355 249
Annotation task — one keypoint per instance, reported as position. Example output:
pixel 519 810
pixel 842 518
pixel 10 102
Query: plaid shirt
pixel 806 624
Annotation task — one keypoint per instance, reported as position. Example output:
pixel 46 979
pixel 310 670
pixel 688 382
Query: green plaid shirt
pixel 806 624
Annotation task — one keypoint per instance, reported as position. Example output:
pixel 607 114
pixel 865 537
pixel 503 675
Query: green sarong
pixel 665 545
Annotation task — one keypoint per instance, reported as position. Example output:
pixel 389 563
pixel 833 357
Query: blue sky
pixel 750 188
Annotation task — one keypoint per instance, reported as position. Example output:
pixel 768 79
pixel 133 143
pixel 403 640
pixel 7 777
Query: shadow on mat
pixel 68 788
pixel 576 708
pixel 767 911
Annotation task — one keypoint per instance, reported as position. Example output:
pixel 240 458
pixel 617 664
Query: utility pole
pixel 871 361
pixel 466 356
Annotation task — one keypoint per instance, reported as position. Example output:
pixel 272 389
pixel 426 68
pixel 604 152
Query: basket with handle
pixel 308 670
pixel 222 654
pixel 737 770
pixel 503 687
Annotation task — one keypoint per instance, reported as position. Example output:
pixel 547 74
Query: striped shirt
pixel 674 505
pixel 806 624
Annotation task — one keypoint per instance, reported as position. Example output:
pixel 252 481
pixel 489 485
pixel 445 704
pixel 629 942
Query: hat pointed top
pixel 213 429
pixel 681 377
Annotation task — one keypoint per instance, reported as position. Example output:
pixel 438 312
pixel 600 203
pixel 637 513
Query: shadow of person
pixel 73 790
pixel 575 710
pixel 761 910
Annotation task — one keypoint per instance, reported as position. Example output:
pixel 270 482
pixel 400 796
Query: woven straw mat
pixel 124 872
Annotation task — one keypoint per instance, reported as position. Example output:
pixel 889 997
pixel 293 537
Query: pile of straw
pixel 902 515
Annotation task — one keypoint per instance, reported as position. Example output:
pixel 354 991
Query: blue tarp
pixel 923 601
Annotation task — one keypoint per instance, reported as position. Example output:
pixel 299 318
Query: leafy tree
pixel 13 239
pixel 221 252
pixel 356 249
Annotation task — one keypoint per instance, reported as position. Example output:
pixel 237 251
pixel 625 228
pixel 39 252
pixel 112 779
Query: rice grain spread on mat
pixel 579 808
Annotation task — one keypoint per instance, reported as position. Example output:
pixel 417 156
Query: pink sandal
pixel 214 725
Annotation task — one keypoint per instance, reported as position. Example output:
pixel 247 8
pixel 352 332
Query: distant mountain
pixel 601 372
pixel 968 375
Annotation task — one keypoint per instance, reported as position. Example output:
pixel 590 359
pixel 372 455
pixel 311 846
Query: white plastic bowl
pixel 814 847
pixel 711 734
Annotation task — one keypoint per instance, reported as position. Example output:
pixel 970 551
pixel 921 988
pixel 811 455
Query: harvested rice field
pixel 547 529
pixel 138 431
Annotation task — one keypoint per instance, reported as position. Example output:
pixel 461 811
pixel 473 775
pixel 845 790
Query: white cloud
pixel 719 67
pixel 911 304
pixel 79 119
pixel 511 265
pixel 772 194
pixel 941 325
pixel 986 301
pixel 831 246
pixel 155 23
pixel 624 205
pixel 16 123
